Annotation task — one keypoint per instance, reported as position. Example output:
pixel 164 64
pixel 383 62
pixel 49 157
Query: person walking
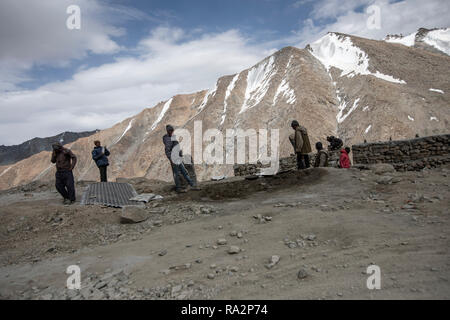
pixel 171 143
pixel 302 145
pixel 65 162
pixel 100 156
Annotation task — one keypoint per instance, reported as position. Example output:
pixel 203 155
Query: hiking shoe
pixel 66 201
pixel 72 202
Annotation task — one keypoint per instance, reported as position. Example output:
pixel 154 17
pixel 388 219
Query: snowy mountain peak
pixel 437 39
pixel 338 51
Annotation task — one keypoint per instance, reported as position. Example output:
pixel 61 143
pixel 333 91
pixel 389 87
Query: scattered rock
pixel 272 262
pixel 157 223
pixel 302 274
pixel 221 241
pixel 382 168
pixel 234 250
pixel 384 180
pixel 132 214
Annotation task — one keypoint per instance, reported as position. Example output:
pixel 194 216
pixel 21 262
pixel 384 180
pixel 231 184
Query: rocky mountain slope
pixel 13 154
pixel 343 85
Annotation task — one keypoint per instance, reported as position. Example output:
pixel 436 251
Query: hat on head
pixel 295 123
pixel 56 145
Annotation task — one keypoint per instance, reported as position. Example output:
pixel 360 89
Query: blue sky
pixel 129 55
pixel 259 20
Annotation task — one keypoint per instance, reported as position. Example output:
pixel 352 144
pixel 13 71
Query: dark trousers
pixel 177 169
pixel 65 184
pixel 103 177
pixel 302 161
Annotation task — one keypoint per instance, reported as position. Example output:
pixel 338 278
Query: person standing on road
pixel 65 162
pixel 100 156
pixel 177 165
pixel 302 145
pixel 344 160
pixel 321 157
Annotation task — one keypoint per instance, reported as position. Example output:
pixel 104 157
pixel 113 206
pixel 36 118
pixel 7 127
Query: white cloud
pixel 34 33
pixel 350 17
pixel 170 61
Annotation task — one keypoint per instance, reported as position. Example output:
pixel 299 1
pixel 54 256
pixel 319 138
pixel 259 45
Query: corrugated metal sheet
pixel 111 194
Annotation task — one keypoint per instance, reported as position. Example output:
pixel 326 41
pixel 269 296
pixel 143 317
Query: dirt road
pixel 300 235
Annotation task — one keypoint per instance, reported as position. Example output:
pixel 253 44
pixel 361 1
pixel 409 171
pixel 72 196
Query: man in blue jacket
pixel 100 156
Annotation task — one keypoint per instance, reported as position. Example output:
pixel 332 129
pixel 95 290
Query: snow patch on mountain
pixel 5 171
pixel 210 93
pixel 339 51
pixel 258 82
pixel 289 62
pixel 368 129
pixel 389 78
pixel 439 39
pixel 408 41
pixel 341 116
pixel 227 95
pixel 437 90
pixel 162 113
pixel 433 119
pixel 130 124
pixel 286 91
pixel 410 118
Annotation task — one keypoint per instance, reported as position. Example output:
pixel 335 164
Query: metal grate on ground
pixel 112 194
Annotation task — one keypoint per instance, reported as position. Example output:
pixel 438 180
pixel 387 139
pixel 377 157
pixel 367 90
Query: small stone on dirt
pixel 221 241
pixel 302 274
pixel 234 250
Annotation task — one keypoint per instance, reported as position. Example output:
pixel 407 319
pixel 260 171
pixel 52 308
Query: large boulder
pixel 133 214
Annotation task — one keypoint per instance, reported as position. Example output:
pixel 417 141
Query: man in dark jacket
pixel 100 156
pixel 65 161
pixel 170 143
pixel 302 145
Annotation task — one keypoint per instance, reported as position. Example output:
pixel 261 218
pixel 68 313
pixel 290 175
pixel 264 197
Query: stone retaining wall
pixel 406 155
pixel 287 163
